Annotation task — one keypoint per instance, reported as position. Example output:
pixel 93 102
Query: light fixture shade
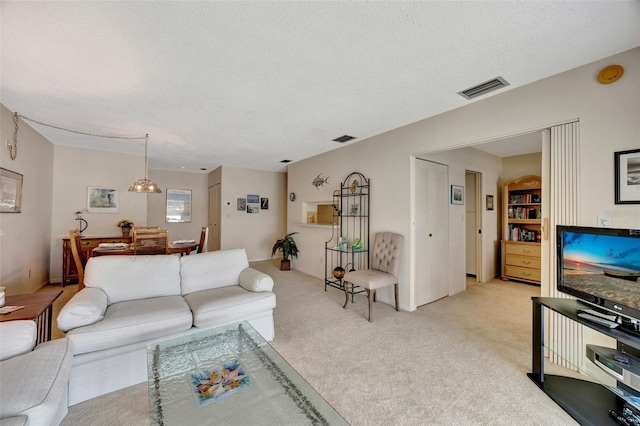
pixel 144 185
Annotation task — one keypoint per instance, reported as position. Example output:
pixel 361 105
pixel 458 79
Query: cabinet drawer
pixel 523 261
pixel 523 250
pixel 524 273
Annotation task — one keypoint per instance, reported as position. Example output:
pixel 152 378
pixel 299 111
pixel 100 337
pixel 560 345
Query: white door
pixel 431 231
pixel 214 218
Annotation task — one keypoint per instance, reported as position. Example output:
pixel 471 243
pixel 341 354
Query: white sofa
pixel 33 383
pixel 131 301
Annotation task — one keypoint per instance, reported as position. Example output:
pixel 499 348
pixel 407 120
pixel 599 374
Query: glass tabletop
pixel 229 375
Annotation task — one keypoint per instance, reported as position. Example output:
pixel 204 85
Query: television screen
pixel 601 266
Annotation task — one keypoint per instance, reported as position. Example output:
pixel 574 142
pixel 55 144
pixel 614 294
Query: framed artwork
pixel 253 203
pixel 457 194
pixel 102 200
pixel 627 176
pixel 178 206
pixel 241 204
pixel 264 203
pixel 489 202
pixel 10 191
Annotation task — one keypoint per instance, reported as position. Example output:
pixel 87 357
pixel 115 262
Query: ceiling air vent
pixel 484 88
pixel 285 161
pixel 343 139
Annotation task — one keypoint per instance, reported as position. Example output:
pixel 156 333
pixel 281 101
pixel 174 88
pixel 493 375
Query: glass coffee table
pixel 229 375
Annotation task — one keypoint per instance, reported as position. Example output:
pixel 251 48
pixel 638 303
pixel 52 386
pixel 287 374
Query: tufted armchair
pixel 385 259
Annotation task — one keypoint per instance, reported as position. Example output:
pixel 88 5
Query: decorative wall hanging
pixel 241 204
pixel 489 202
pixel 264 203
pixel 253 204
pixel 178 205
pixel 10 191
pixel 102 200
pixel 627 176
pixel 457 194
pixel 320 181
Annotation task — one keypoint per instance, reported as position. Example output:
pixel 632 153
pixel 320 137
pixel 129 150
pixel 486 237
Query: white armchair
pixel 34 384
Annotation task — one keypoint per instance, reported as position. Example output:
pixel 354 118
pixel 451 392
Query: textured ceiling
pixel 248 84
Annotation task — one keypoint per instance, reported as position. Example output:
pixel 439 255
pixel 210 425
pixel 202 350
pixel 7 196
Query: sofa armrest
pixel 85 307
pixel 17 338
pixel 254 280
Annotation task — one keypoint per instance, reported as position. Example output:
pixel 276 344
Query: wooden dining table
pixel 180 249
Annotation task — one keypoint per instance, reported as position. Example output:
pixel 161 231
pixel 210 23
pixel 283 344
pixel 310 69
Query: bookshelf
pixel 521 232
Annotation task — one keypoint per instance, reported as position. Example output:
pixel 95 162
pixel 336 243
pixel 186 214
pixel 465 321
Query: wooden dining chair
pixel 78 255
pixel 150 241
pixel 202 245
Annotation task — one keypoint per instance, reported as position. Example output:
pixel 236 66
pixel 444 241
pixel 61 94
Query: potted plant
pixel 125 225
pixel 288 248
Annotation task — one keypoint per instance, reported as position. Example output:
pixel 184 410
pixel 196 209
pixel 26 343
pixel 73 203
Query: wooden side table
pixel 37 307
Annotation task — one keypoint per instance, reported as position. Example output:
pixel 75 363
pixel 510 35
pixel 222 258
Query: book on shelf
pixel 517 233
pixel 524 199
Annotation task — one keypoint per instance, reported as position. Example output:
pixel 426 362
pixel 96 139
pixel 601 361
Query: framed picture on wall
pixel 457 194
pixel 489 202
pixel 102 200
pixel 627 176
pixel 178 205
pixel 10 191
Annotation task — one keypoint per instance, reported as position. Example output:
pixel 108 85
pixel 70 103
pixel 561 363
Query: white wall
pixel 609 122
pixel 74 170
pixel 256 233
pixel 156 203
pixel 25 238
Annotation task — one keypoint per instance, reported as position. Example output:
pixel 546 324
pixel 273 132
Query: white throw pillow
pixel 214 269
pixel 85 307
pixel 254 280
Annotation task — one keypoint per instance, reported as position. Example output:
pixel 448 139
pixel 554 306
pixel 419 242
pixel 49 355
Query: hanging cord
pixel 13 148
pixel 15 119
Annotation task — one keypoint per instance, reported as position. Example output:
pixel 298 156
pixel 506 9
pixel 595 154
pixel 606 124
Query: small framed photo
pixel 627 176
pixel 241 204
pixel 489 202
pixel 264 203
pixel 102 200
pixel 10 191
pixel 457 194
pixel 178 205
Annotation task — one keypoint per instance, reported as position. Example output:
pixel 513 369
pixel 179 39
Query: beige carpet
pixel 459 361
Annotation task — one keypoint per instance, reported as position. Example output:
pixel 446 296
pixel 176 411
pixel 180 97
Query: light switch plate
pixel 604 221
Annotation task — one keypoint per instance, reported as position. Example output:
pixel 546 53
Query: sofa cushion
pixel 134 277
pixel 254 280
pixel 17 338
pixel 85 307
pixel 213 269
pixel 133 321
pixel 15 421
pixel 227 304
pixel 40 380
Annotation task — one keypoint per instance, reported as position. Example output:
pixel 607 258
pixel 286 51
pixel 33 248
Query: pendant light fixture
pixel 145 185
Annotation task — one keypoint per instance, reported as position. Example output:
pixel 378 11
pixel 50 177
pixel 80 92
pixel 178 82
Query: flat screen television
pixel 601 266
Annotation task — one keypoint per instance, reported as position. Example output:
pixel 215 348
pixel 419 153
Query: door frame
pixel 479 222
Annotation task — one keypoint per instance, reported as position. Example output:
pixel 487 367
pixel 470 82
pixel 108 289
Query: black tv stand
pixel 587 402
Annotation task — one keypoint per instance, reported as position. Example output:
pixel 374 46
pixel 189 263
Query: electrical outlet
pixel 604 221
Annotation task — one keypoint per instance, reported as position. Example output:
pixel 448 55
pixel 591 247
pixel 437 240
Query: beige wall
pixel 75 169
pixel 156 203
pixel 255 232
pixel 609 122
pixel 25 237
pixel 521 165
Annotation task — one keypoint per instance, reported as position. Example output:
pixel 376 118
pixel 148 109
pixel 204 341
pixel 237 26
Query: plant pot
pixel 125 232
pixel 285 265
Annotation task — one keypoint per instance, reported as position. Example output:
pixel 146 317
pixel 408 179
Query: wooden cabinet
pixel 521 232
pixel 69 272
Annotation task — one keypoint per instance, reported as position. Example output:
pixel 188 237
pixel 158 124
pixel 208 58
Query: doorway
pixel 473 223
